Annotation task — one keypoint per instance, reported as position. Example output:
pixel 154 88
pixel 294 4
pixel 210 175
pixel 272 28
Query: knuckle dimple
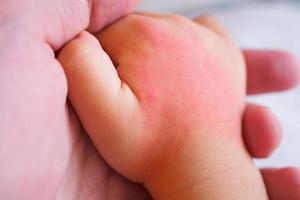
pixel 178 18
pixel 148 29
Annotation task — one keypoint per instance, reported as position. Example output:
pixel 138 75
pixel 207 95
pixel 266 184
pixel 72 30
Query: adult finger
pixel 282 183
pixel 261 131
pixel 271 71
pixel 58 21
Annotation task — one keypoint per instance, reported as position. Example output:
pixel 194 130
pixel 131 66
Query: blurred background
pixel 264 24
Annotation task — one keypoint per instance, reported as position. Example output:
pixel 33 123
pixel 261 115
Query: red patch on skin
pixel 183 88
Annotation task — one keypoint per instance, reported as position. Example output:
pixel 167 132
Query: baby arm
pixel 164 108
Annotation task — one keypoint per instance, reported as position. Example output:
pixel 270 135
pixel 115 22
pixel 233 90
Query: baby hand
pixel 164 108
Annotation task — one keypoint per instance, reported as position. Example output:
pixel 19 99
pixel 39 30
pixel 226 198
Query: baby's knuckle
pixel 179 19
pixel 148 29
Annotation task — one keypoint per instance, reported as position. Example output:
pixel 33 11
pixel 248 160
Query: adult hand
pixel 44 153
pixel 270 71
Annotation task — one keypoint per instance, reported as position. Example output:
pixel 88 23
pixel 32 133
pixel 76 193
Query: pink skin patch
pixel 180 86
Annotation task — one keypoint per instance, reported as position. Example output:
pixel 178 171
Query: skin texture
pixel 42 145
pixel 169 115
pixel 40 139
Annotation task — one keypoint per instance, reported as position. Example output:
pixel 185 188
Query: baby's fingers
pixel 93 82
pixel 212 24
pixel 105 105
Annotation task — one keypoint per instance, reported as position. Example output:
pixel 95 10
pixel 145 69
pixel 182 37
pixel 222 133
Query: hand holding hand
pixel 170 115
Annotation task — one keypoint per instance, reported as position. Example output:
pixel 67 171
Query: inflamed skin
pixel 162 99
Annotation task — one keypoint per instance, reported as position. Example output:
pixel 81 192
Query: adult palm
pixel 44 152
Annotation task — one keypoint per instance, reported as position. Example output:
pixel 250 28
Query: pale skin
pixel 165 107
pixel 43 151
